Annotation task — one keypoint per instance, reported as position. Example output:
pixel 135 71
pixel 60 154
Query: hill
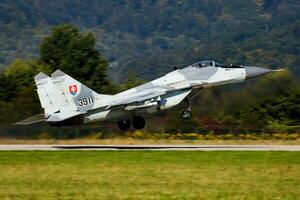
pixel 148 37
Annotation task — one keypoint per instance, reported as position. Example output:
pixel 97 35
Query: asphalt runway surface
pixel 152 147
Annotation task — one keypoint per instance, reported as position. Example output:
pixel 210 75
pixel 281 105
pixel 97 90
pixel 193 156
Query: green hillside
pixel 148 37
pixel 134 41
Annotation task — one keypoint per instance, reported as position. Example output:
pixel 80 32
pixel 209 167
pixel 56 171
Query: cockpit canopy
pixel 203 64
pixel 211 63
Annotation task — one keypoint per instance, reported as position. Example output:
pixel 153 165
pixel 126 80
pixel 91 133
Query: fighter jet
pixel 67 102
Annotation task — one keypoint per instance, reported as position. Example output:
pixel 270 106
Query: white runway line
pixel 152 147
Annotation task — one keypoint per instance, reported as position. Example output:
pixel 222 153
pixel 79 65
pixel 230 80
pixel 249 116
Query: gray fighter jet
pixel 66 101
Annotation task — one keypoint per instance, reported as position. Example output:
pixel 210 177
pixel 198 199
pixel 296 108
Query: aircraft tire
pixel 124 125
pixel 186 114
pixel 138 122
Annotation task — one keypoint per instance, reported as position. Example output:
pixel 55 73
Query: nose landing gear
pixel 187 113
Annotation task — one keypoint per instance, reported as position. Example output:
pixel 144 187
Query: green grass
pixel 149 175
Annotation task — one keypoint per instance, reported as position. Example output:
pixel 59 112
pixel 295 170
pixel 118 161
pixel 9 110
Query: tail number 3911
pixel 85 101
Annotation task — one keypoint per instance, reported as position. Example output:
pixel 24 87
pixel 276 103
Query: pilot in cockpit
pixel 204 64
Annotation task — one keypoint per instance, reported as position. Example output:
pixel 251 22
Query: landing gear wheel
pixel 186 114
pixel 124 125
pixel 138 122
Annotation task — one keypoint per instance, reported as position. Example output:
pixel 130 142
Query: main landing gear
pixel 124 125
pixel 138 122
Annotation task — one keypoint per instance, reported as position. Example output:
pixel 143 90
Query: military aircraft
pixel 66 101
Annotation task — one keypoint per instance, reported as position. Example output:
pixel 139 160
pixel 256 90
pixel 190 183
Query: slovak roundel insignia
pixel 73 89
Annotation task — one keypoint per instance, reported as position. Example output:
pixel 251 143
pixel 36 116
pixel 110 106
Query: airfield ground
pixel 129 141
pixel 149 175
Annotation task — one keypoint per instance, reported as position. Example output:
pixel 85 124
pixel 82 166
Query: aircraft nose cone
pixel 252 72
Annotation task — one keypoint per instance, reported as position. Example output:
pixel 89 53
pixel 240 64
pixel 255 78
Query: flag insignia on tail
pixel 73 89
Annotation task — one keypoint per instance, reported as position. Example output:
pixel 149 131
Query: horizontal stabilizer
pixel 57 117
pixel 32 120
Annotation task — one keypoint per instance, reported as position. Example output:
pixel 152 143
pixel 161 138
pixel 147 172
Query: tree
pixel 132 81
pixel 18 97
pixel 75 53
pixel 22 72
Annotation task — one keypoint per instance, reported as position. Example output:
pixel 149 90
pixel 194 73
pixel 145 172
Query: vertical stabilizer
pixel 45 92
pixel 75 95
pixel 61 93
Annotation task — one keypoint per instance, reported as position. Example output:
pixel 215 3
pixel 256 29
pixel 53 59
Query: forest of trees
pixel 67 49
pixel 149 37
pixel 115 45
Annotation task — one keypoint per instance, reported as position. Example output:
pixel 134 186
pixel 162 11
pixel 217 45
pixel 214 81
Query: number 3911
pixel 85 101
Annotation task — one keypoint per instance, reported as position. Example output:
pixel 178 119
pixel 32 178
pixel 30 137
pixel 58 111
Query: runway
pixel 151 147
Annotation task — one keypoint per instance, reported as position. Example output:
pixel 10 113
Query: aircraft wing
pixel 141 95
pixel 138 97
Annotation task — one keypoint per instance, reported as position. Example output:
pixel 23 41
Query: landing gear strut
pixel 187 113
pixel 138 122
pixel 124 125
